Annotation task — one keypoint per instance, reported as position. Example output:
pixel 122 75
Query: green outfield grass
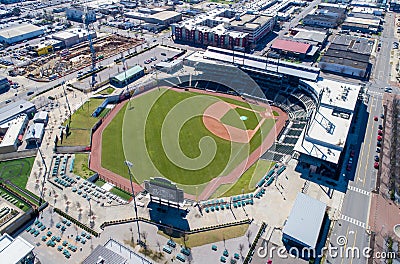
pixel 162 134
pixel 232 118
pixel 247 182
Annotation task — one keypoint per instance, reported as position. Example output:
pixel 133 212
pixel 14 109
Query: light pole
pixel 90 209
pixel 130 165
pixel 45 171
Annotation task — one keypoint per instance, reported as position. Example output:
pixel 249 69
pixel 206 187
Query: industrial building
pixel 34 134
pixel 15 250
pixel 326 16
pixel 15 109
pixel 223 28
pixel 303 226
pixel 294 49
pixel 11 133
pixel 76 12
pixel 4 85
pixel 19 32
pixel 348 55
pixel 313 37
pixel 364 25
pixel 73 36
pixel 41 117
pixel 162 19
pixel 323 142
pixel 127 76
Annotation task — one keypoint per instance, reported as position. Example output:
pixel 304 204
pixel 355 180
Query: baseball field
pixel 187 137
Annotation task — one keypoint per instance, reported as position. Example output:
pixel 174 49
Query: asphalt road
pixel 353 222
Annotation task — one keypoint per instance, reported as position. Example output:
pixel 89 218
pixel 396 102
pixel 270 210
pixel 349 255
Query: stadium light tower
pixel 130 165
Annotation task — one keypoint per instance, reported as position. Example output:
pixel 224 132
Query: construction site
pixel 64 62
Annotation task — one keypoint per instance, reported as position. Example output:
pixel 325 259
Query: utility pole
pixel 130 165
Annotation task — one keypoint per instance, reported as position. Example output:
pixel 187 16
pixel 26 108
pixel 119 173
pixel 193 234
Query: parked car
pixel 378 150
pixel 376 158
pixel 380 133
pixel 378 144
pixel 352 153
pixel 380 127
pixel 376 165
pixel 375 118
pixel 379 138
pixel 348 167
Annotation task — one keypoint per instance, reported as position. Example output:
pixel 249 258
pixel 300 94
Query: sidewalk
pixel 384 213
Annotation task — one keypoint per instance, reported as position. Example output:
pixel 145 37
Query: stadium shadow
pixel 170 216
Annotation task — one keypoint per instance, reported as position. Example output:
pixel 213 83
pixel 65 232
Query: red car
pixel 352 153
pixel 380 133
pixel 379 138
pixel 375 118
pixel 376 165
pixel 348 168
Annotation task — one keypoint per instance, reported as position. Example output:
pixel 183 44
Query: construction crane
pixel 86 21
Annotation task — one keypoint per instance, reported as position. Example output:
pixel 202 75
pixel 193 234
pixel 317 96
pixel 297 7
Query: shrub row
pixel 73 220
pixel 18 196
pixel 253 245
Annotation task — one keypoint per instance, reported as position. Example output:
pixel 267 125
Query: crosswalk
pixel 353 221
pixel 356 189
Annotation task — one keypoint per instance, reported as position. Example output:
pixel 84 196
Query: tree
pixel 241 247
pixel 248 235
pixel 144 235
pixel 159 246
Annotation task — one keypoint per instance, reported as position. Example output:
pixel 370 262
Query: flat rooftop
pixel 17 30
pixel 261 63
pixel 305 220
pixel 13 250
pixel 13 109
pixel 13 129
pixel 328 129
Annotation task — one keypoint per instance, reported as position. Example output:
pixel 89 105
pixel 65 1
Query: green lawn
pixel 275 113
pixel 107 91
pixel 17 171
pixel 81 123
pixel 100 182
pixel 81 166
pixel 213 236
pixel 233 118
pixel 163 135
pixel 247 182
pixel 25 206
pixel 124 195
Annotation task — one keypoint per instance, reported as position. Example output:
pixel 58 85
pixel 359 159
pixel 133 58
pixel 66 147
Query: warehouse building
pixel 326 16
pixel 15 109
pixel 73 36
pixel 303 226
pixel 41 117
pixel 76 12
pixel 127 76
pixel 164 18
pixel 313 37
pixel 34 134
pixel 294 49
pixel 364 25
pixel 11 133
pixel 20 32
pixel 348 55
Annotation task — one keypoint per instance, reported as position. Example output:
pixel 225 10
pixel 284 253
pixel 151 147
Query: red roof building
pixel 291 46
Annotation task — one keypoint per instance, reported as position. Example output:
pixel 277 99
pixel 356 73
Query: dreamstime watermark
pixel 341 251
